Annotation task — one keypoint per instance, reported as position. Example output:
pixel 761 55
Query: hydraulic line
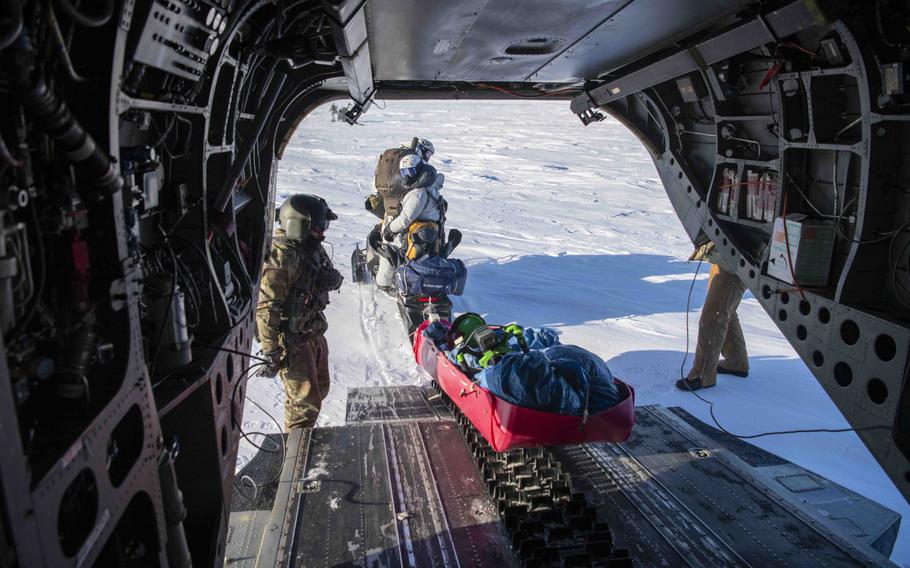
pixel 60 43
pixel 52 115
pixel 6 157
pixel 88 20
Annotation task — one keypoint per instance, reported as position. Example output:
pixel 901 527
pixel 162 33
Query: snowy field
pixel 564 226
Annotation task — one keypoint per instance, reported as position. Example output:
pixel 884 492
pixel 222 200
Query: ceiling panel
pixel 412 40
pixel 467 40
pixel 642 27
pixel 562 41
pixel 501 46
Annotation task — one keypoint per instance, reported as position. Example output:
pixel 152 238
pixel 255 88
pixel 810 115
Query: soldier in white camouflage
pixel 296 280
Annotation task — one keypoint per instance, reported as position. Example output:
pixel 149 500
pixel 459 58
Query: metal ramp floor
pixel 399 486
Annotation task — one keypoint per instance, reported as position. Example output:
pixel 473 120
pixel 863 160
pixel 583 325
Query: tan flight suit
pixel 293 293
pixel 719 332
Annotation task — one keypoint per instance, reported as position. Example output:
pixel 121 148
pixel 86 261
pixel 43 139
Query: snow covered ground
pixel 565 226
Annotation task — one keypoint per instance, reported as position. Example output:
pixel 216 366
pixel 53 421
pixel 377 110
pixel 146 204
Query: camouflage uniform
pixel 293 293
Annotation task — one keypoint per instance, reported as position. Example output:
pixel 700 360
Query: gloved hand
pixel 373 201
pixel 387 234
pixel 271 368
pixel 329 279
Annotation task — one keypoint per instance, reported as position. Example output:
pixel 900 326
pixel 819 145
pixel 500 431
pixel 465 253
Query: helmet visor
pixel 319 222
pixel 426 154
pixel 329 217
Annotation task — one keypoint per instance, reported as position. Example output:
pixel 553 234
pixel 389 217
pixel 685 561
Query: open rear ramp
pixel 408 483
pixel 399 488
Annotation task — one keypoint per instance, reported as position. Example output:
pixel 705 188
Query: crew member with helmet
pixel 425 149
pixel 294 291
pixel 422 201
pixel 375 202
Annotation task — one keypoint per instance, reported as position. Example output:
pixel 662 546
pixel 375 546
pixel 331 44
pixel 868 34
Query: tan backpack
pixel 388 180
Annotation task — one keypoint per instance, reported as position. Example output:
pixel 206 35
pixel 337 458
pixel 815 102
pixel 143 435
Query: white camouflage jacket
pixel 421 204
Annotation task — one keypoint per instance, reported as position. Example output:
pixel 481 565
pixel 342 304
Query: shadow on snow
pixel 573 289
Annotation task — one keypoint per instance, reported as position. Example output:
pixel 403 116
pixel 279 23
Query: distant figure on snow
pixel 334 111
pixel 719 332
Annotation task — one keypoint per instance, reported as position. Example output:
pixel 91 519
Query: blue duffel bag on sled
pixel 432 276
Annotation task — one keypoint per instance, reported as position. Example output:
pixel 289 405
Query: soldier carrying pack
pixel 389 184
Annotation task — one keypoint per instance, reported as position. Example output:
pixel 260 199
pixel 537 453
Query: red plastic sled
pixel 507 426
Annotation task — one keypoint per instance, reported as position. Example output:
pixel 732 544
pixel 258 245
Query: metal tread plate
pixel 395 494
pixel 244 533
pixel 393 404
pixel 406 492
pixel 674 495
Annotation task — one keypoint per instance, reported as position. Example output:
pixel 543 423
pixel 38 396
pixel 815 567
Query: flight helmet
pixel 464 327
pixel 301 213
pixel 425 149
pixel 408 166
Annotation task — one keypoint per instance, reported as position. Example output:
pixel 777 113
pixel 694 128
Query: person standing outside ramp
pixel 719 330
